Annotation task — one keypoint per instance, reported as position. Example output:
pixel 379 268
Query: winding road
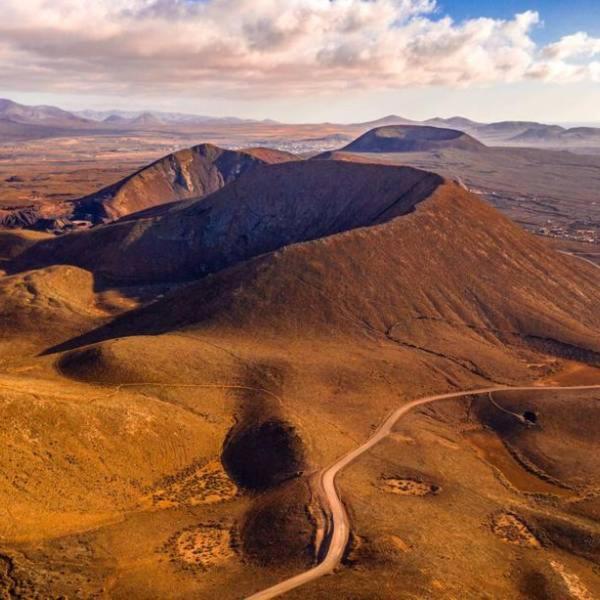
pixel 586 260
pixel 340 523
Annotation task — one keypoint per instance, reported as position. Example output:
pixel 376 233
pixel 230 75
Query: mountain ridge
pixel 505 132
pixel 259 212
pixel 188 173
pixel 412 138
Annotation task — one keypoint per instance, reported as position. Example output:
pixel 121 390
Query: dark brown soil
pixel 262 455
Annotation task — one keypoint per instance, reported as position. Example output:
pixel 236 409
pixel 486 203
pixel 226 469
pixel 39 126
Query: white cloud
pixel 257 48
pixel 578 45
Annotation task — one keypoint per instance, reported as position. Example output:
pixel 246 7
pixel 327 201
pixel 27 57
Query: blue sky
pixel 307 60
pixel 561 17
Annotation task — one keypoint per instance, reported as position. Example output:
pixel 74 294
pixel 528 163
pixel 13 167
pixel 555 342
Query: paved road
pixel 339 517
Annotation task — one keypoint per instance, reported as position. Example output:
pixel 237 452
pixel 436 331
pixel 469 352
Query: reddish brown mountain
pixel 398 253
pixel 190 173
pixel 412 138
pixel 270 207
pixel 200 417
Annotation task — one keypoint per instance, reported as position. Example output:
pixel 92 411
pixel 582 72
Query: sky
pixel 560 18
pixel 307 60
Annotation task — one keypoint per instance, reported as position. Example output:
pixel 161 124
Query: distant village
pixel 591 236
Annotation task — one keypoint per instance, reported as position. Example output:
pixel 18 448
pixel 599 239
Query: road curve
pixel 339 517
pixel 586 260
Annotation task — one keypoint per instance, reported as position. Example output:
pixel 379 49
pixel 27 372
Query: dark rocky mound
pixel 262 455
pixel 19 217
pixel 412 138
pixel 270 207
pixel 278 529
pixel 190 173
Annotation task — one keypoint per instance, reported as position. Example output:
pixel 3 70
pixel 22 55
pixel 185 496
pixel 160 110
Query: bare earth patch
pixel 573 583
pixel 513 530
pixel 202 546
pixel 195 485
pixel 409 487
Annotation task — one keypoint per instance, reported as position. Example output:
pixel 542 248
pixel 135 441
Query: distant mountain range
pixel 20 121
pixel 50 116
pixel 124 117
pixel 39 115
pixel 505 133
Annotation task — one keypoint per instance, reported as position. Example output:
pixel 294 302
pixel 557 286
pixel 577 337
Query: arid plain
pixel 179 373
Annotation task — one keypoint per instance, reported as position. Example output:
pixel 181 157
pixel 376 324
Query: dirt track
pixel 340 524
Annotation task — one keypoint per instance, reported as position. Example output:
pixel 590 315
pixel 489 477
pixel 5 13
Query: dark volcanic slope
pixel 270 207
pixel 411 138
pixel 452 279
pixel 189 173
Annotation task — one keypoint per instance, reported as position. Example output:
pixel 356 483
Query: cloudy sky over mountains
pixel 305 59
